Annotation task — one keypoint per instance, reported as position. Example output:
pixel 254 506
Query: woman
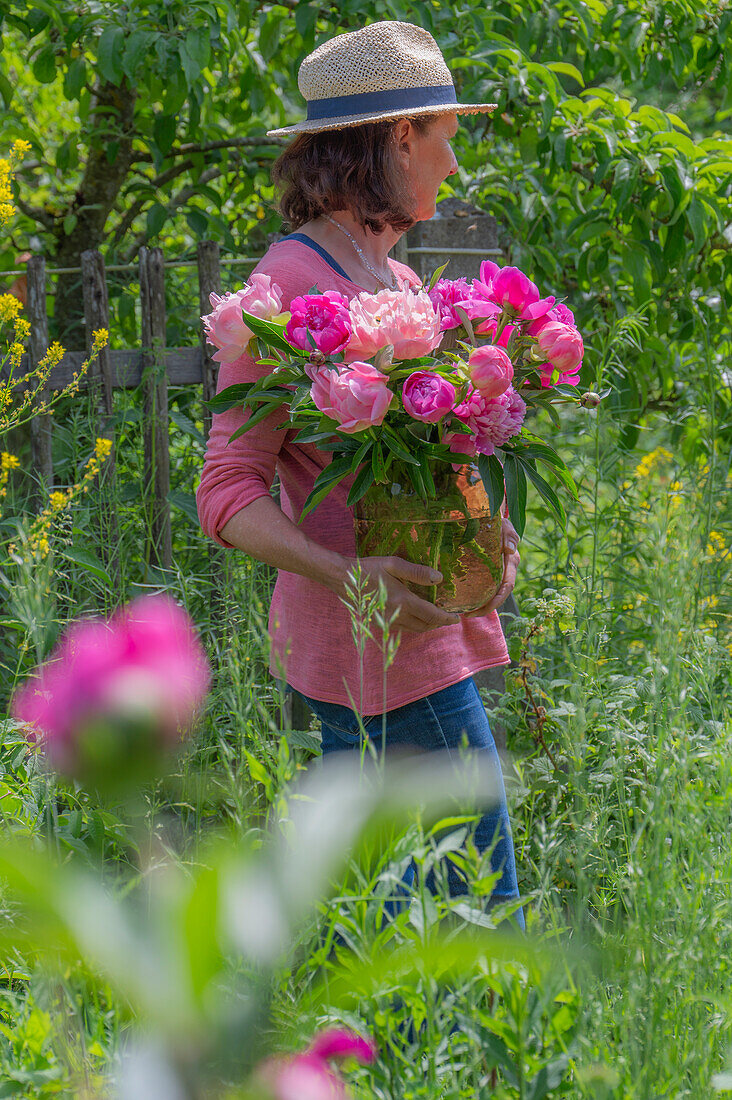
pixel 365 166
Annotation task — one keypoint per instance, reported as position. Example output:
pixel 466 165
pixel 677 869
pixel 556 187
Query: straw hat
pixel 385 70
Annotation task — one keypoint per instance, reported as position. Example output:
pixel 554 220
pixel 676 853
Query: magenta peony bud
pixel 490 370
pixel 562 345
pixel 427 396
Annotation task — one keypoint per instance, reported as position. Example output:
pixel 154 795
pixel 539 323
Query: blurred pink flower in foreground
pixel 226 328
pixel 308 1076
pixel 144 670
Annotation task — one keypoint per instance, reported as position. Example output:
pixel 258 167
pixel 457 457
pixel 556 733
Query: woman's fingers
pixel 511 564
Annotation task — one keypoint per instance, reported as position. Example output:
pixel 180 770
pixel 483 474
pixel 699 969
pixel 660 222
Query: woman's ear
pixel 403 139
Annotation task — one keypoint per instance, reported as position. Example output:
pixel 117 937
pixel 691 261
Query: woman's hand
pixel 415 614
pixel 511 559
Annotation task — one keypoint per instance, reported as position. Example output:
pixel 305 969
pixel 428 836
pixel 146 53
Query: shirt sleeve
pixel 236 473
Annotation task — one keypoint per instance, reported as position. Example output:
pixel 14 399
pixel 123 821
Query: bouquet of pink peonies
pixel 372 380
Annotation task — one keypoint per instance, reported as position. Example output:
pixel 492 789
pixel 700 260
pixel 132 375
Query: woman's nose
pixel 454 165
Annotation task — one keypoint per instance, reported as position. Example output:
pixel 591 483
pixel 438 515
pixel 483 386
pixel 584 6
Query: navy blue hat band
pixel 397 99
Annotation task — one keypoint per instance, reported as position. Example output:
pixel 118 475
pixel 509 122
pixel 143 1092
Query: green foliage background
pixel 608 166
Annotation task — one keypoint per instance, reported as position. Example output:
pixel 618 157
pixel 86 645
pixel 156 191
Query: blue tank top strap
pixel 320 250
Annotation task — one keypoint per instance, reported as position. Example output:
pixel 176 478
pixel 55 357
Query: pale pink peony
pixel 404 318
pixel 144 665
pixel 494 420
pixel 490 370
pixel 427 396
pixel 325 317
pixel 308 1076
pixel 226 328
pixel 357 396
pixel 445 295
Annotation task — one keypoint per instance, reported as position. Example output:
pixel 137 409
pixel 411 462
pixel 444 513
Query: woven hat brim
pixel 313 126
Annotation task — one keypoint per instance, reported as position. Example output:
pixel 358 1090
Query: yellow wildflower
pixel 58 501
pixel 8 461
pixel 10 307
pixel 648 464
pixel 102 447
pixel 16 354
pixel 22 329
pixel 716 544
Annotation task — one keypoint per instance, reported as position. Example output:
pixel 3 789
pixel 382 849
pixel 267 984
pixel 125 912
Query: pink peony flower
pixel 356 396
pixel 490 370
pixel 563 347
pixel 308 1076
pixel 427 396
pixel 404 318
pixel 494 420
pixel 225 327
pixel 559 312
pixel 510 290
pixel 144 666
pixel 480 307
pixel 325 317
pixel 445 295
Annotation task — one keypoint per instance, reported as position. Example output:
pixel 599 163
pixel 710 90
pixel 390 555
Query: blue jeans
pixel 445 720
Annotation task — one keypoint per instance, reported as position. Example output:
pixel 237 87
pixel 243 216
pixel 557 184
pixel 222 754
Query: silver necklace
pixel 394 285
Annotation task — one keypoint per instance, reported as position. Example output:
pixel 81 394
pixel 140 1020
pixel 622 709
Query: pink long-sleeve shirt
pixel 312 643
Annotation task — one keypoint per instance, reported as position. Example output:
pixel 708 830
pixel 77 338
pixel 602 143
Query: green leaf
pixel 197 222
pixel 261 414
pixel 395 446
pixel 198 45
pixel 415 476
pixel 268 331
pixel 491 473
pixel 546 491
pixel 156 218
pixel 109 54
pixel 229 397
pixel 44 66
pixel 6 90
pixel 136 48
pixel 326 480
pixel 185 503
pixel 164 128
pixel 515 479
pixel 191 68
pixel 436 275
pixel 565 68
pixel 87 561
pixel 75 78
pixel 364 481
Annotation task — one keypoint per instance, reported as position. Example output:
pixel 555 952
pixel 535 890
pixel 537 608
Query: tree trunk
pixel 109 138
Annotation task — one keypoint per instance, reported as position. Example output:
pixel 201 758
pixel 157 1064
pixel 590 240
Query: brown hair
pixel 353 169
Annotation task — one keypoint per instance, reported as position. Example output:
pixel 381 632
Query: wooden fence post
pixel 40 426
pixel 155 407
pixel 209 281
pixel 96 316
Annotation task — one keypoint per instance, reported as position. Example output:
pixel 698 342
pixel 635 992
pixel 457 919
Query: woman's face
pixel 429 159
